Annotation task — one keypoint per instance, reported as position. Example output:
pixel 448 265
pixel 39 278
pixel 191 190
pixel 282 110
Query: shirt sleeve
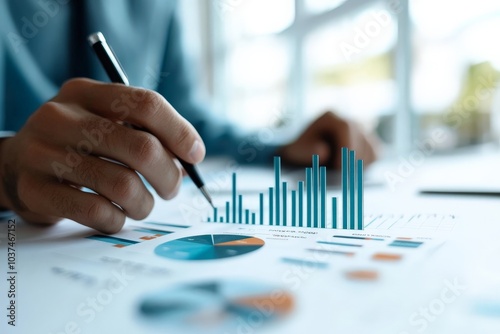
pixel 220 137
pixel 5 213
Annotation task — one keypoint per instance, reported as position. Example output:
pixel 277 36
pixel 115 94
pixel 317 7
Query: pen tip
pixel 207 196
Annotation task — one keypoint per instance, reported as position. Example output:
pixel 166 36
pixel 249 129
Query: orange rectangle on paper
pixel 386 257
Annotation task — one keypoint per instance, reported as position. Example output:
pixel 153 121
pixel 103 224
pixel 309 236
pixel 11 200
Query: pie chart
pixel 208 247
pixel 216 306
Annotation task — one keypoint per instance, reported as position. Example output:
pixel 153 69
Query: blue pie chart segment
pixel 208 247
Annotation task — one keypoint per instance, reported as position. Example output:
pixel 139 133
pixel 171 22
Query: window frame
pixel 304 23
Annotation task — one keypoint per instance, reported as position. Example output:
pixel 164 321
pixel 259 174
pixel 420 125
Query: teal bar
pixel 240 209
pixel 277 181
pixel 334 212
pixel 322 187
pixel 247 216
pixel 215 215
pixel 221 219
pixel 301 203
pixel 152 231
pixel 208 219
pixel 345 170
pixel 315 179
pixel 309 195
pixel 167 224
pixel 360 195
pixel 112 240
pixel 271 202
pixel 294 213
pixel 253 218
pixel 227 212
pixel 261 208
pixel 352 189
pixel 234 198
pixel 285 190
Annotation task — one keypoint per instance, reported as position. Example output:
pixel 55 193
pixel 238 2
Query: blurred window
pixel 401 68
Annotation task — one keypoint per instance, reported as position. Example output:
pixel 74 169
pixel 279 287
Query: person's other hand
pixel 75 140
pixel 325 137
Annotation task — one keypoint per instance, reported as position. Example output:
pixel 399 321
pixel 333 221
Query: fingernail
pixel 197 152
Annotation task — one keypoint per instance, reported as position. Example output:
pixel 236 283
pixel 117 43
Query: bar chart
pixel 303 203
pixel 116 242
pixel 132 235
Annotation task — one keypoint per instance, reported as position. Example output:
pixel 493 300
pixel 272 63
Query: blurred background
pixel 402 68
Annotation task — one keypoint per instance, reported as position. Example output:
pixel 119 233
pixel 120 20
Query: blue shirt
pixel 44 44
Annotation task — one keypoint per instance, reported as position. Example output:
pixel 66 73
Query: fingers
pixel 319 138
pixel 143 108
pixel 47 197
pixel 340 133
pixel 325 137
pixel 145 153
pixel 85 136
pixel 115 183
pixel 300 152
pixel 348 134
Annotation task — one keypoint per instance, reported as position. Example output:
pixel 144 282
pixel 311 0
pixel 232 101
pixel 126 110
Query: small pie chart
pixel 216 306
pixel 208 247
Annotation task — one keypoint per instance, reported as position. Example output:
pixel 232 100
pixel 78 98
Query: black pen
pixel 116 74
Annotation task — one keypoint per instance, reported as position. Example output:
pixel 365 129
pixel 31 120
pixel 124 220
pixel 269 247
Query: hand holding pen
pixel 116 74
pixel 74 141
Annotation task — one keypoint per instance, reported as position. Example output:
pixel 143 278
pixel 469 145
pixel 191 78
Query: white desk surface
pixel 452 286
